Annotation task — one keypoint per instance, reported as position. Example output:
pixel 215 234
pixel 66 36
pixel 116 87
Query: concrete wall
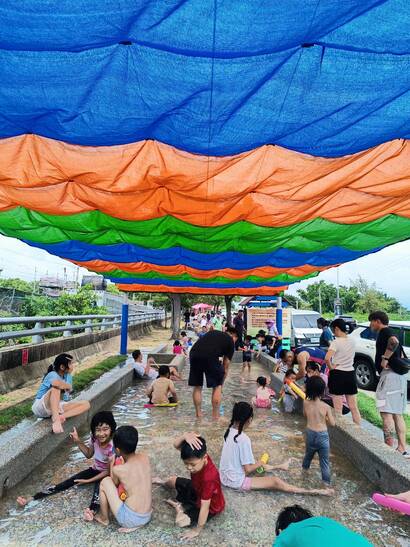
pixel 29 443
pixel 13 374
pixel 387 470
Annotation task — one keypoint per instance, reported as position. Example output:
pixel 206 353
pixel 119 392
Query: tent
pixel 205 147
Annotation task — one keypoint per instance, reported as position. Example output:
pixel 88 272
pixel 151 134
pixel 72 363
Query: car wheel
pixel 365 374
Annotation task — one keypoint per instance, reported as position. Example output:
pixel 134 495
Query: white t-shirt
pixel 140 369
pixel 344 353
pixel 234 456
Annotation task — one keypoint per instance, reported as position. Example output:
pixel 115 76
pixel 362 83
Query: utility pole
pixel 320 298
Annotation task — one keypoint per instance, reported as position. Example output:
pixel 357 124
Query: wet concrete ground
pixel 249 518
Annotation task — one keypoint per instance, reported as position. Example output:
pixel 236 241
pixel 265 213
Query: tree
pixel 311 296
pixel 176 314
pixel 228 306
pixel 18 284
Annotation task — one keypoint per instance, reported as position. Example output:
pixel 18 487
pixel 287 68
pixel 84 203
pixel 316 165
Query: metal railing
pixel 88 324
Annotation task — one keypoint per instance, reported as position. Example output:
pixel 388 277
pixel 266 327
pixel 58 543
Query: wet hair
pixel 289 372
pixel 340 324
pixel 126 439
pixel 311 365
pixel 282 353
pixel 379 316
pixel 164 371
pixel 315 388
pixel 261 380
pixel 177 343
pixel 289 515
pixel 247 337
pixel 261 332
pixel 62 360
pixel 135 354
pixel 321 322
pixel 183 333
pixel 188 452
pixel 241 413
pixel 232 330
pixel 103 417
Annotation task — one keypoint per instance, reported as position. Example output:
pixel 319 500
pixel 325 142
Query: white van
pixel 304 330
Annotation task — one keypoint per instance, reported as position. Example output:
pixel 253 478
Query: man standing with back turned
pixel 391 393
pixel 205 358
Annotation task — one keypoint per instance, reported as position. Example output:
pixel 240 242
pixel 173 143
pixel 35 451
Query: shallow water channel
pixel 249 518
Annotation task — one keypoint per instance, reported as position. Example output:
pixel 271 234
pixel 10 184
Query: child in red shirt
pixel 199 498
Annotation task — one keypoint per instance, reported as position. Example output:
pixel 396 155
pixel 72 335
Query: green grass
pixel 369 412
pixel 11 416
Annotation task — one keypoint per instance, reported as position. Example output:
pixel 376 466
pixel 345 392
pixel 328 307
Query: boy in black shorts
pixel 199 498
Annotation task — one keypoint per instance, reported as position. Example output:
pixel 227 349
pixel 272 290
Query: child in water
pixel 177 348
pixel 100 447
pixel 289 396
pixel 318 414
pixel 200 497
pixel 135 476
pixel 246 354
pixel 264 394
pixel 57 382
pixel 162 390
pixel 238 463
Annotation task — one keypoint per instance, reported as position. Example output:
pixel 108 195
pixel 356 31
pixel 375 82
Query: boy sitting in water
pixel 162 390
pixel 199 498
pixel 135 476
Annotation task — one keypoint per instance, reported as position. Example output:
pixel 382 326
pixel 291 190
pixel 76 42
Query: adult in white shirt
pixel 142 370
pixel 342 377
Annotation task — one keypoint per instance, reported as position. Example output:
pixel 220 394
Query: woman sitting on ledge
pixel 57 382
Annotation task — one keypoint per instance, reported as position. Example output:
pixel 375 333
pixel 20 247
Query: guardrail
pixel 88 324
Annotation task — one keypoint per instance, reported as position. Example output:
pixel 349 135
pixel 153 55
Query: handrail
pixel 91 322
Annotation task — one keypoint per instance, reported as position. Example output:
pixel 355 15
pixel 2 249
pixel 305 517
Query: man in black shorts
pixel 205 359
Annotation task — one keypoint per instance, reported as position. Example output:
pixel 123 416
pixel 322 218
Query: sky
pixel 389 269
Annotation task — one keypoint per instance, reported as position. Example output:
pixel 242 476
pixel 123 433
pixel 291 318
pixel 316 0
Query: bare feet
pixel 158 480
pixel 22 501
pixel 128 530
pixel 100 520
pixel 181 519
pixel 57 427
pixel 88 515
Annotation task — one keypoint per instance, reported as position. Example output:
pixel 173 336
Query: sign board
pixel 24 356
pixel 256 320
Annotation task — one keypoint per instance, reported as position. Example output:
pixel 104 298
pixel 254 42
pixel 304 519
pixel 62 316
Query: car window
pixel 403 335
pixel 368 334
pixel 308 321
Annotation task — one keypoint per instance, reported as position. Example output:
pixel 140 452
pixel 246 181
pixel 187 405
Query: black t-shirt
pixel 187 316
pixel 213 345
pixel 239 324
pixel 381 346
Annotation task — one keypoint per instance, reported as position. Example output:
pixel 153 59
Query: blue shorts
pixel 127 518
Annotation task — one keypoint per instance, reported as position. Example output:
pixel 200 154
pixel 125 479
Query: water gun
pixel 264 459
pixel 120 488
pixel 296 389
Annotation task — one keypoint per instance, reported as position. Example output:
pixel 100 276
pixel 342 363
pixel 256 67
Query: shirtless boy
pixel 135 476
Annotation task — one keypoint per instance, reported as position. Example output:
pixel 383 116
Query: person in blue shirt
pixel 55 386
pixel 327 336
pixel 297 527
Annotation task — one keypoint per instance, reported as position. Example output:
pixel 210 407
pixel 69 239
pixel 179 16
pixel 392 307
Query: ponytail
pixel 241 413
pixel 62 360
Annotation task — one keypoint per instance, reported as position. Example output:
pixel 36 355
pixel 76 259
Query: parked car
pixel 365 342
pixel 304 330
pixel 349 320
